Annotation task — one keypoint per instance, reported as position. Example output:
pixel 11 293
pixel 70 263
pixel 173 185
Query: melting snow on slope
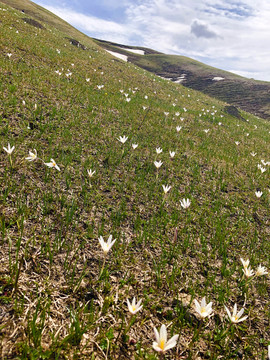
pixel 120 56
pixel 218 78
pixel 135 51
pixel 180 78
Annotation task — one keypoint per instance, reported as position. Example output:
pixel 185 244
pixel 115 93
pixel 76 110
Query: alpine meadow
pixel 134 212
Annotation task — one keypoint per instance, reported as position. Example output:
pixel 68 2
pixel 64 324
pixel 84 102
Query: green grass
pixel 60 297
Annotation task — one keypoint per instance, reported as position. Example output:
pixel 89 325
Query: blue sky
pixel 227 34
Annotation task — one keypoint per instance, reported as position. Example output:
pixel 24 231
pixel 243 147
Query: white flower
pixel 206 130
pixel 269 352
pixel 128 99
pixel 166 113
pixel 158 150
pixel 258 194
pixel 158 164
pixel 248 272
pixel 53 164
pixel 203 309
pixel 178 128
pixel 32 155
pixel 185 203
pixel 9 55
pixel 87 79
pixel 90 172
pixel 100 86
pixel 253 153
pixel 123 139
pixel 245 263
pixel 133 307
pixel 235 317
pixel 134 146
pixel 237 142
pixel 261 168
pixel 161 344
pixel 166 188
pixel 9 149
pixel 106 246
pixel 265 163
pixel 172 153
pixel 261 270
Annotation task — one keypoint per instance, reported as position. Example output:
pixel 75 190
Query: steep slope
pixel 248 94
pixel 66 108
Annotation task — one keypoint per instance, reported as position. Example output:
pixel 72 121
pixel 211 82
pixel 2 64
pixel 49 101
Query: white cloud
pixel 228 34
pixel 91 25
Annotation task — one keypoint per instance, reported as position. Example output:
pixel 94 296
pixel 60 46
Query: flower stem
pixel 102 268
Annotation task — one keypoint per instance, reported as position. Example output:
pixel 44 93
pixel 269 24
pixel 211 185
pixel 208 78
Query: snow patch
pixel 218 78
pixel 120 56
pixel 135 51
pixel 180 78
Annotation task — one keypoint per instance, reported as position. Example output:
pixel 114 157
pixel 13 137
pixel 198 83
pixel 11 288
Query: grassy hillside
pixel 248 94
pixel 64 109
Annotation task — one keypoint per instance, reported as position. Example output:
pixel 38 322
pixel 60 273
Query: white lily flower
pixel 123 139
pixel 248 272
pixel 133 307
pixel 258 194
pixel 203 309
pixel 178 128
pixel 134 146
pixel 158 164
pixel 90 172
pixel 53 164
pixel 158 150
pixel 106 246
pixel 9 149
pixel 185 203
pixel 32 155
pixel 166 188
pixel 172 154
pixel 235 317
pixel 261 270
pixel 245 263
pixel 162 344
pixel 261 168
